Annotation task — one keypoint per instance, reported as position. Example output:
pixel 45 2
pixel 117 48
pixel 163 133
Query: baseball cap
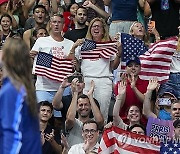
pixel 3 1
pixel 176 123
pixel 133 59
pixel 170 92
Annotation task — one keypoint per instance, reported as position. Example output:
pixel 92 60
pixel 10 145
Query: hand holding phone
pixel 70 78
pixel 152 24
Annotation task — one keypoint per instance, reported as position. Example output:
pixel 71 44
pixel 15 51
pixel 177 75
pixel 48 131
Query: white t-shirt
pixel 78 149
pixel 75 134
pixel 175 64
pixel 55 48
pixel 95 67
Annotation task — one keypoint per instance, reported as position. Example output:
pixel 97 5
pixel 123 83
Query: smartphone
pixel 164 101
pixel 70 78
pixel 152 23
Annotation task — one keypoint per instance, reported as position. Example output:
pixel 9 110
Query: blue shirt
pixel 124 10
pixel 19 131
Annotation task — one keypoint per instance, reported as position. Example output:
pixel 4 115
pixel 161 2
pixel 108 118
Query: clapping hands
pixel 50 137
pixel 47 137
pixel 91 90
pixel 153 84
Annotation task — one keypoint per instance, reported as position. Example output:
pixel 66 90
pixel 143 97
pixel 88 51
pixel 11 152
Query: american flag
pixel 170 147
pixel 52 67
pixel 119 141
pixel 155 62
pixel 88 45
pixel 131 47
pixel 94 50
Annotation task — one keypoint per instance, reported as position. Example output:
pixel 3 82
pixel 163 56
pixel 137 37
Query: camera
pixel 79 77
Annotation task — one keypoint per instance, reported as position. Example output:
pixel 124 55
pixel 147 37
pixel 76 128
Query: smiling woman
pixel 6 23
pixel 98 30
pixel 138 30
pixel 133 112
pixel 98 69
pixel 5 7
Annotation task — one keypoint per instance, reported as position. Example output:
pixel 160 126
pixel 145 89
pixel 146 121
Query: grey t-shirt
pixel 75 134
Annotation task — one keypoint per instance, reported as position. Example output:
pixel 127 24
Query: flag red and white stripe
pixel 53 67
pixel 102 50
pixel 119 141
pixel 156 62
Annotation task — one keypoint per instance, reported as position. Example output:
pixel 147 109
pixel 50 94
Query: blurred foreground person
pixel 1 75
pixel 19 125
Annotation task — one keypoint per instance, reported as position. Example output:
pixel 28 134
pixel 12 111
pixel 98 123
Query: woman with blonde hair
pixel 105 36
pixel 19 126
pixel 98 69
pixel 138 30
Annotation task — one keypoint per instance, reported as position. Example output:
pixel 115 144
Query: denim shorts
pixel 172 85
pixel 121 27
pixel 47 96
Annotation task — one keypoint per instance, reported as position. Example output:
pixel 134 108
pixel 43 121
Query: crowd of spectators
pixel 73 113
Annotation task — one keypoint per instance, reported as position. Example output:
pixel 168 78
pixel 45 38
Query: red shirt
pixel 68 22
pixel 131 98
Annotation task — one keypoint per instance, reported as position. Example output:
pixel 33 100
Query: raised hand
pixel 122 88
pixel 74 85
pixel 124 77
pixel 14 7
pixel 152 29
pixel 88 4
pixel 133 81
pixel 153 84
pixel 91 90
pixel 65 83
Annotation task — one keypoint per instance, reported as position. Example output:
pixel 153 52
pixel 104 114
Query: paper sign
pixel 161 129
